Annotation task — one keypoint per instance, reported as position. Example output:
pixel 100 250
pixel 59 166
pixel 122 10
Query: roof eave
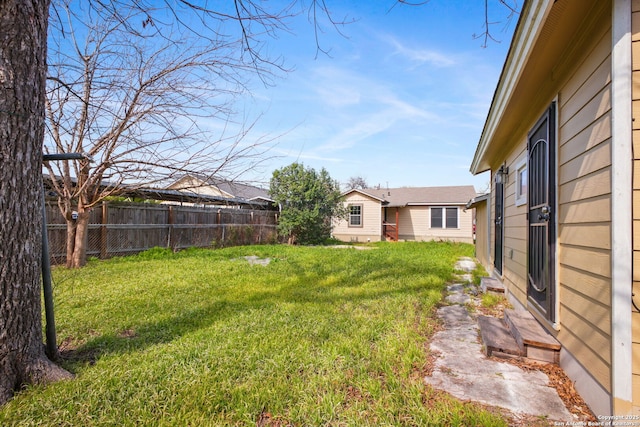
pixel 476 201
pixel 436 203
pixel 364 193
pixel 530 24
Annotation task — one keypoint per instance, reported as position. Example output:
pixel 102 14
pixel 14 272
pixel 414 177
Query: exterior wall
pixel 371 229
pixel 482 234
pixel 635 56
pixel 514 267
pixel 582 85
pixel 196 186
pixel 415 224
pixel 584 199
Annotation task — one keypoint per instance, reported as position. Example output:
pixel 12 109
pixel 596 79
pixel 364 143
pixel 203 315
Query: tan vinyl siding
pixel 411 221
pixel 515 227
pixel 635 55
pixel 587 235
pixel 463 233
pixel 515 220
pixel 584 207
pixel 592 185
pixel 371 229
pixel 595 359
pixel 415 224
pixel 515 282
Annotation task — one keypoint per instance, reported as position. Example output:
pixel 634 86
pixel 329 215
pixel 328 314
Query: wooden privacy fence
pixel 128 228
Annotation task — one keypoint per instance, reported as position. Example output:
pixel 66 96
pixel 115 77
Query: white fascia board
pixel 521 47
pixel 364 193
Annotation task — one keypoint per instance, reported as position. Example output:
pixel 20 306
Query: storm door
pixel 542 213
pixel 499 238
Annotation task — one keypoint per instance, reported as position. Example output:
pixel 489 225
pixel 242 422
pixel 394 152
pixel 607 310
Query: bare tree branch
pixel 510 5
pixel 486 35
pixel 144 98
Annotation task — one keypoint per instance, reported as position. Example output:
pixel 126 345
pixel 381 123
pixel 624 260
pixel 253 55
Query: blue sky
pixel 400 101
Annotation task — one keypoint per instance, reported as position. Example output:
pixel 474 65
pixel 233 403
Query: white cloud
pixel 339 95
pixel 390 107
pixel 419 56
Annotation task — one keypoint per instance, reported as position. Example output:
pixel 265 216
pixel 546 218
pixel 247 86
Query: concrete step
pixel 496 338
pixel 520 327
pixel 532 339
pixel 489 284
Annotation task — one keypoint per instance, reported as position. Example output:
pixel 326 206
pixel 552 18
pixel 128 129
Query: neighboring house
pixel 419 213
pixel 559 142
pixel 220 188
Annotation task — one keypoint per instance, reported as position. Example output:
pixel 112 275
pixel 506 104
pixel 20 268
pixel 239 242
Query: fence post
pixel 171 222
pixel 103 231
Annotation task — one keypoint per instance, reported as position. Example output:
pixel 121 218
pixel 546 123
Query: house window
pixel 355 215
pixel 452 217
pixel 436 217
pixel 444 217
pixel 521 182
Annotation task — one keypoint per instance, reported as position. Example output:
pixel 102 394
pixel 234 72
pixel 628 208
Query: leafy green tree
pixel 308 201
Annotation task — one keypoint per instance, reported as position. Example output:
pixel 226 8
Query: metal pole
pixel 47 288
pixel 50 328
pixel 65 156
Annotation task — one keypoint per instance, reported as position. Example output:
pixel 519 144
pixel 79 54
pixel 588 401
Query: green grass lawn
pixel 320 336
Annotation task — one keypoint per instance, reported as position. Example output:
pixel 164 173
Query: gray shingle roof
pixel 235 189
pixel 397 197
pixel 242 191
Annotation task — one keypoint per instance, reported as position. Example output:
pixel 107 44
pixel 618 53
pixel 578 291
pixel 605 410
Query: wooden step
pixel 533 340
pixel 489 284
pixel 497 338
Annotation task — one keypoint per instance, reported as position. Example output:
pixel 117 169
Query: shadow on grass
pixel 382 276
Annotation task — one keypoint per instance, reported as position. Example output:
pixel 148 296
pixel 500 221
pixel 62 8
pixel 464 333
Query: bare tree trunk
pixel 71 238
pixel 79 255
pixel 23 42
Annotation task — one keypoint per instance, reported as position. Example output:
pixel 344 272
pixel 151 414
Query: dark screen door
pixel 499 238
pixel 542 213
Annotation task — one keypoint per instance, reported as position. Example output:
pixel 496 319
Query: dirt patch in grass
pixel 71 351
pixel 266 419
pixel 127 333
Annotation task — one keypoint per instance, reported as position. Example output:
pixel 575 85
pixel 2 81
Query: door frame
pixel 547 309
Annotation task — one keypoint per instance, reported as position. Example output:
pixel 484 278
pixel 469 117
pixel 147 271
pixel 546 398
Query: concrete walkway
pixel 463 370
